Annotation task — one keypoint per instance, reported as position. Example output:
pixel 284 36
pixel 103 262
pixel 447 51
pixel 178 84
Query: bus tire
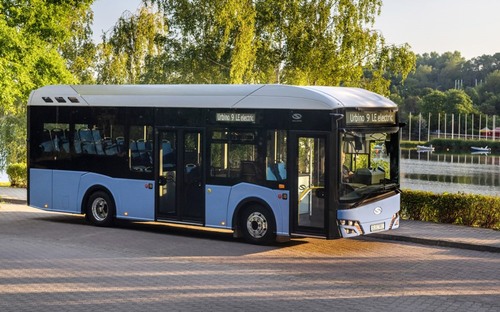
pixel 257 225
pixel 100 209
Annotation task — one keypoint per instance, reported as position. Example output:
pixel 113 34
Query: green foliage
pixel 277 41
pixel 434 103
pixel 131 44
pixel 32 36
pixel 470 85
pixel 464 209
pixel 458 102
pixel 17 174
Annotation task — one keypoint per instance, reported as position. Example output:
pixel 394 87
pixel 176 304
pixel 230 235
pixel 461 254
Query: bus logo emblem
pixel 377 210
pixel 297 116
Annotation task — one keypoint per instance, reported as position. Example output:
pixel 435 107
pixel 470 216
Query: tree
pixel 434 103
pixel 316 42
pixel 489 93
pixel 80 51
pixel 458 102
pixel 124 53
pixel 32 34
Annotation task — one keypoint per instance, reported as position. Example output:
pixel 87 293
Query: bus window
pixel 140 148
pixel 368 167
pixel 237 155
pixel 54 140
pixel 276 156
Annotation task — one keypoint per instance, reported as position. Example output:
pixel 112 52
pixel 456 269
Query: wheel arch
pixel 247 202
pixel 91 190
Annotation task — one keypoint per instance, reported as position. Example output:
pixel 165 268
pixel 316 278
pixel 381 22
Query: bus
pixel 267 162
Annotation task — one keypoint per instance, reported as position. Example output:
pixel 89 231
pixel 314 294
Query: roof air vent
pixel 47 99
pixel 60 99
pixel 73 99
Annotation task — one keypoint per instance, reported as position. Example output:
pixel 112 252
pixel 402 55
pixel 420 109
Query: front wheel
pixel 100 209
pixel 257 225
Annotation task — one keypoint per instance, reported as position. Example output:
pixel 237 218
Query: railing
pixel 451 126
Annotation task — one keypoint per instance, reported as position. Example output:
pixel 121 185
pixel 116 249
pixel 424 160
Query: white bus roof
pixel 210 96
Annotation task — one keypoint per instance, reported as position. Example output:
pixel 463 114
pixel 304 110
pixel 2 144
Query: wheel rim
pixel 257 225
pixel 100 209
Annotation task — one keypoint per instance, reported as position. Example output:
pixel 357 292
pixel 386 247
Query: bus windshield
pixel 369 164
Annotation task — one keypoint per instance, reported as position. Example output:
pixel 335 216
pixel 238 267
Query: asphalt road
pixel 55 262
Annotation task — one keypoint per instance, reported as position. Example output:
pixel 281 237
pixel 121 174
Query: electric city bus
pixel 268 162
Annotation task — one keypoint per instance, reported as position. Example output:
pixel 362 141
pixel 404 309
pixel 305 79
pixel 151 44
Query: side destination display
pixel 370 117
pixel 235 117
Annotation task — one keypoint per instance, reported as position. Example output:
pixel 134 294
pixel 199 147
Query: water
pixel 3 177
pixel 451 173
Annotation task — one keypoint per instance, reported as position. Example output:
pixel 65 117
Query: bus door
pixel 180 191
pixel 309 204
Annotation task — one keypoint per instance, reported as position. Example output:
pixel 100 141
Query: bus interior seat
pixel 120 144
pixel 47 144
pixel 248 170
pixel 282 170
pixel 77 142
pixel 141 145
pixel 61 142
pixel 87 141
pixel 96 135
pixel 270 176
pixel 166 147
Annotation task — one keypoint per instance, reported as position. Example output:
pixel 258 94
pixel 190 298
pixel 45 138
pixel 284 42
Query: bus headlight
pixel 351 227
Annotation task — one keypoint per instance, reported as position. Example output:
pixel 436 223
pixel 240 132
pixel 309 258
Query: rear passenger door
pixel 180 175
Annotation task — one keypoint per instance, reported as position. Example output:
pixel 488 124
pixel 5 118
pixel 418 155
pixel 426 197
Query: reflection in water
pixel 479 174
pixel 472 158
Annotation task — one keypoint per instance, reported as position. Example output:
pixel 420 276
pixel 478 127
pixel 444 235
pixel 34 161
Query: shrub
pixel 17 175
pixel 465 209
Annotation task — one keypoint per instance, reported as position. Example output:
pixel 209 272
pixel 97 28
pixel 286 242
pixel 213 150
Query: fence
pixel 451 126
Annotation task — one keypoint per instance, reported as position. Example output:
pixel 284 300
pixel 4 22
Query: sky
pixel 471 27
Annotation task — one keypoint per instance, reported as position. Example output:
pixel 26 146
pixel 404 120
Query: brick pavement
pixel 55 262
pixel 412 231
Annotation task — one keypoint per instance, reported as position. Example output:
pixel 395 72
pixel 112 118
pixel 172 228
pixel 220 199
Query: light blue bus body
pixel 268 162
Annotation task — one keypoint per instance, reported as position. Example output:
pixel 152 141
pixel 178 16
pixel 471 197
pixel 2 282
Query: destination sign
pixel 370 118
pixel 235 117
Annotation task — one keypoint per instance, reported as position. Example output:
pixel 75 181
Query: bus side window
pixel 276 156
pixel 141 157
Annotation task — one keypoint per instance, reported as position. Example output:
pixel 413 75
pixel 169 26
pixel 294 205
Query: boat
pixel 485 149
pixel 423 148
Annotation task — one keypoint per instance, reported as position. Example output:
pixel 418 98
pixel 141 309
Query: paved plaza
pixel 57 262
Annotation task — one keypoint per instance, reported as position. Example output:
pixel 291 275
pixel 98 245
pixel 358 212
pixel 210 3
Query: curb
pixel 437 242
pixel 9 200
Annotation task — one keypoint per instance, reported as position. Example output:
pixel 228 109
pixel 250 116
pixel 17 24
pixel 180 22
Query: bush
pixel 17 175
pixel 465 209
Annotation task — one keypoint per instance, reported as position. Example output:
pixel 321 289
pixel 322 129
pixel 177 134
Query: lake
pixel 3 177
pixel 452 173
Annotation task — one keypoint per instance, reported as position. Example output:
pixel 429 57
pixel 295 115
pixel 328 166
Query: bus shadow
pixel 180 230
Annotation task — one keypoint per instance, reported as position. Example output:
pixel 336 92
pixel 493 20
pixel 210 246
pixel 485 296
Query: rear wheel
pixel 100 209
pixel 257 225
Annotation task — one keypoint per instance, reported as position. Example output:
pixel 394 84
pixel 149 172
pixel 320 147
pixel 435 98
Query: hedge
pixel 17 175
pixel 464 209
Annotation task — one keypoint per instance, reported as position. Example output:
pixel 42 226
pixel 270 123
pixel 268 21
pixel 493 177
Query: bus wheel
pixel 257 225
pixel 100 209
